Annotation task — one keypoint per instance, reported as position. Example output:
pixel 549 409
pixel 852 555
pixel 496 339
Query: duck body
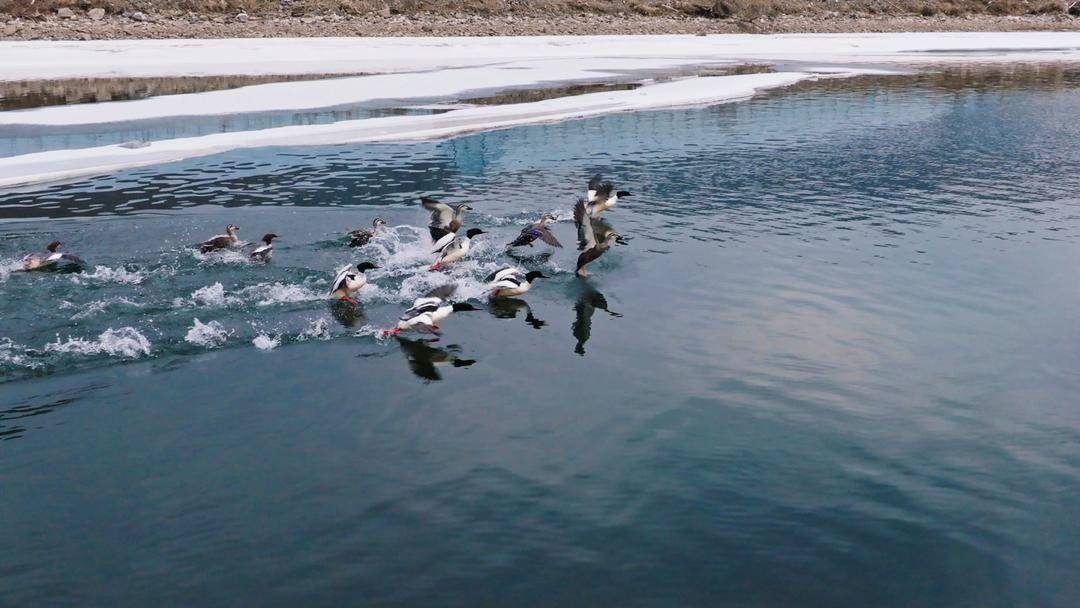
pixel 261 252
pixel 601 196
pixel 594 238
pixel 348 281
pixel 536 230
pixel 452 248
pixel 444 218
pixel 509 282
pixel 427 312
pixel 362 236
pixel 220 241
pixel 49 259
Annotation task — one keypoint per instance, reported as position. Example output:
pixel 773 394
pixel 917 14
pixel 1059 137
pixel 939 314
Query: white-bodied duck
pixel 260 252
pixel 452 247
pixel 428 311
pixel 348 281
pixel 601 196
pixel 510 281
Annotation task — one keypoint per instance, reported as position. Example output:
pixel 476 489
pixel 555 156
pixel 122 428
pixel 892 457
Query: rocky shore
pixel 94 24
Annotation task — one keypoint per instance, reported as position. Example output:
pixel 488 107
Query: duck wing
pixel 528 235
pixel 443 242
pixel 547 236
pixel 594 185
pixel 344 275
pixel 220 241
pixel 586 235
pixel 441 213
pixel 442 291
pixel 502 273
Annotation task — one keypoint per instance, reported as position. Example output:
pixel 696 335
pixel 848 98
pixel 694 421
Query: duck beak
pixel 622 241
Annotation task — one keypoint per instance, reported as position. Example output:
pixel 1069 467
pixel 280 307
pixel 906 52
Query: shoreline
pixel 80 26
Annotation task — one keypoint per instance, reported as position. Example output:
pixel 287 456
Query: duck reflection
pixel 425 359
pixel 508 308
pixel 347 314
pixel 588 300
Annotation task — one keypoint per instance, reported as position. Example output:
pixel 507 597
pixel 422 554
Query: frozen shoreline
pixel 423 68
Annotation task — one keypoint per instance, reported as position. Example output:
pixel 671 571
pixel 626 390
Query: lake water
pixel 836 365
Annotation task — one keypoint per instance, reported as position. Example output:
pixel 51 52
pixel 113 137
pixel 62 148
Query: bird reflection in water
pixel 588 300
pixel 508 308
pixel 347 314
pixel 425 359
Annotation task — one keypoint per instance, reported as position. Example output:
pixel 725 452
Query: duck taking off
pixel 601 196
pixel 220 241
pixel 261 252
pixel 361 236
pixel 508 282
pixel 427 311
pixel 594 238
pixel 444 219
pixel 452 247
pixel 50 258
pixel 348 281
pixel 536 230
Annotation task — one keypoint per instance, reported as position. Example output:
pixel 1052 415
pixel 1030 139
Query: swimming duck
pixel 452 247
pixel 42 260
pixel 220 241
pixel 595 237
pixel 536 230
pixel 427 311
pixel 444 219
pixel 348 281
pixel 510 281
pixel 361 236
pixel 260 253
pixel 599 197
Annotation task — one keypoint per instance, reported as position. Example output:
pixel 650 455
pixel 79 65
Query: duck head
pixel 231 229
pixel 269 237
pixel 365 266
pixel 53 246
pixel 474 232
pixel 535 274
pixel 462 208
pixel 378 222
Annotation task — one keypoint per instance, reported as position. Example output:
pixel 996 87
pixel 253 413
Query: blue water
pixel 836 365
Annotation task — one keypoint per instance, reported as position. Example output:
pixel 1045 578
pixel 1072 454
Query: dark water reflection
pixel 836 366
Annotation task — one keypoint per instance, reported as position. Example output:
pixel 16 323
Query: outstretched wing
pixel 594 185
pixel 442 291
pixel 420 308
pixel 443 242
pixel 603 191
pixel 340 278
pixel 548 236
pixel 586 236
pixel 502 273
pixel 441 213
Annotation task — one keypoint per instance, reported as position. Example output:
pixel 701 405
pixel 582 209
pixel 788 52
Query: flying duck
pixel 452 247
pixel 260 253
pixel 536 230
pixel 348 281
pixel 427 311
pixel 361 236
pixel 510 281
pixel 444 219
pixel 220 241
pixel 42 260
pixel 592 242
pixel 599 197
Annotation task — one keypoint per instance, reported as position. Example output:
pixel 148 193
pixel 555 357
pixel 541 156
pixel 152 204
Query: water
pixel 835 366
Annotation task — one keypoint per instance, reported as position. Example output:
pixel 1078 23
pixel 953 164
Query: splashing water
pixel 265 342
pixel 210 335
pixel 123 342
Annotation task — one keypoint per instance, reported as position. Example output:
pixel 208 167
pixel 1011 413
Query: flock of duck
pixel 450 246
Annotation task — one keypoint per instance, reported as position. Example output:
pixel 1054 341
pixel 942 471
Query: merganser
pixel 42 260
pixel 361 236
pixel 510 281
pixel 348 281
pixel 427 311
pixel 536 230
pixel 261 253
pixel 452 247
pixel 444 219
pixel 220 241
pixel 592 243
pixel 599 197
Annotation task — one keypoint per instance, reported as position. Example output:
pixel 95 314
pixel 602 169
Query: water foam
pixel 14 355
pixel 269 294
pixel 265 342
pixel 99 306
pixel 319 329
pixel 123 342
pixel 105 274
pixel 210 334
pixel 9 266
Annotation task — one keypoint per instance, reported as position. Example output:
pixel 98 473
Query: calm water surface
pixel 837 365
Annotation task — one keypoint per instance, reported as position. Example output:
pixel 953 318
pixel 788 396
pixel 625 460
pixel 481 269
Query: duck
pixel 348 281
pixel 220 241
pixel 261 253
pixel 361 236
pixel 510 281
pixel 600 196
pixel 427 311
pixel 444 219
pixel 592 242
pixel 452 247
pixel 536 230
pixel 50 258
